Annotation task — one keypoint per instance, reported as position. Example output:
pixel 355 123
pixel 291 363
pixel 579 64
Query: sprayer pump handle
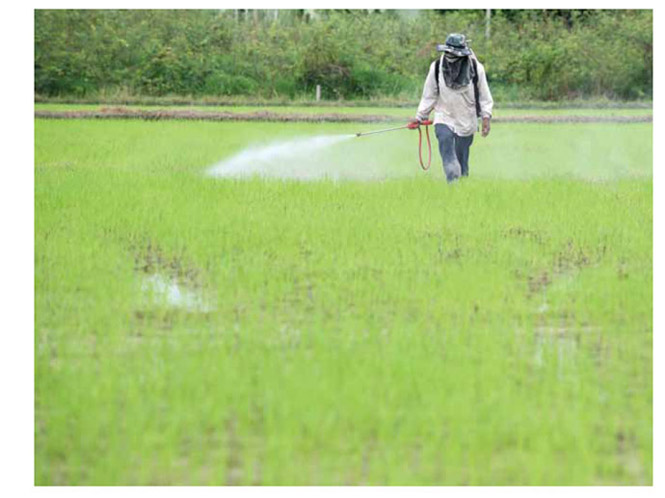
pixel 427 122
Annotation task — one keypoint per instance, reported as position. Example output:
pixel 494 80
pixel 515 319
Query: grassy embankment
pixel 397 112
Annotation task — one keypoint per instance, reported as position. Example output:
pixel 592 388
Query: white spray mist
pixel 299 158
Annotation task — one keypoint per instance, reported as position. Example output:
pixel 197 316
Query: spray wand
pixel 411 125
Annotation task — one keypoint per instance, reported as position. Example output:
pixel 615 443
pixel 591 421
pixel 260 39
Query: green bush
pixel 531 54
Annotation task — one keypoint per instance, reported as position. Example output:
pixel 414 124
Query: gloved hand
pixel 486 126
pixel 413 124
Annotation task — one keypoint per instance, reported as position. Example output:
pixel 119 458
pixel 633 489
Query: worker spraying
pixel 456 89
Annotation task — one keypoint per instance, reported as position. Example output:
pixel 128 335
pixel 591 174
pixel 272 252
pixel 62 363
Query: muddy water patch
pixel 162 290
pixel 168 281
pixel 564 341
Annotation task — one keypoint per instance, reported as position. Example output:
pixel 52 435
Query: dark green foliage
pixel 531 54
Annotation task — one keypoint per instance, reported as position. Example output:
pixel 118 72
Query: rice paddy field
pixel 341 318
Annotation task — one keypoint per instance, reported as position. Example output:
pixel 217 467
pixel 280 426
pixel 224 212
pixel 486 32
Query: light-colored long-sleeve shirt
pixel 455 108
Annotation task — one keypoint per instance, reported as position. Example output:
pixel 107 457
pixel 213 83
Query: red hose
pixel 420 145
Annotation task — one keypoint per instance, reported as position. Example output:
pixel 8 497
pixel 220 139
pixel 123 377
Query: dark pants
pixel 454 152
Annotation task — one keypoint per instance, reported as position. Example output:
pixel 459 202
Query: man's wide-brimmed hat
pixel 456 45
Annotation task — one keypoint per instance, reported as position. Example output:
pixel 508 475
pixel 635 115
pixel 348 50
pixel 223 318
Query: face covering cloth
pixel 457 71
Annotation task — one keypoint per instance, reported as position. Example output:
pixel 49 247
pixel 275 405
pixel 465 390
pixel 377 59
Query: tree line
pixel 352 54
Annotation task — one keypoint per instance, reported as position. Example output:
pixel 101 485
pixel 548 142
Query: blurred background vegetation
pixel 550 55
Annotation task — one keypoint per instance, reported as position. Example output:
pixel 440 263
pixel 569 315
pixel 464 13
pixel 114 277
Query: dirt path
pixel 169 114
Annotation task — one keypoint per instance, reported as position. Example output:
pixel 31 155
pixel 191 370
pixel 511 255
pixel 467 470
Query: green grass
pixel 497 331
